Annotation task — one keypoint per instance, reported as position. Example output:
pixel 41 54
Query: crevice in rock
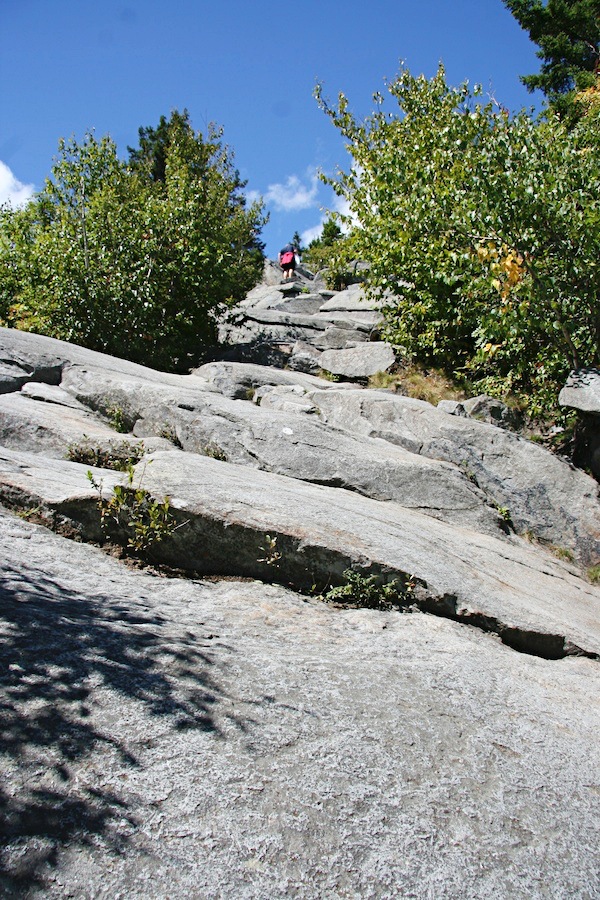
pixel 212 547
pixel 18 374
pixel 336 481
pixel 535 643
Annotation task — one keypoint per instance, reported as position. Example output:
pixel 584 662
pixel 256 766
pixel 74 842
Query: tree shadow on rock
pixel 65 657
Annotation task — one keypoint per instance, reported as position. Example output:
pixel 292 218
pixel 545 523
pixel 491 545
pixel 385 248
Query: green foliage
pixel 330 234
pixel 297 242
pixel 504 513
pixel 272 556
pixel 568 35
pixel 329 376
pixel 369 592
pixel 134 260
pixel 130 515
pixel 117 419
pixel 150 158
pixel 482 232
pixel 593 574
pixel 323 253
pixel 119 458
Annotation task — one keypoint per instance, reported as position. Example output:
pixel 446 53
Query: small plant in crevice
pixel 564 553
pixel 215 452
pixel 272 556
pixel 116 417
pixel 505 522
pixel 329 376
pixel 131 516
pixel 32 514
pixel 504 513
pixel 169 434
pixel 117 458
pixel 593 574
pixel 370 592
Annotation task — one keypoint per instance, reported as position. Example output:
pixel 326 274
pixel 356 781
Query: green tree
pixel 321 253
pixel 481 229
pixel 297 242
pixel 568 35
pixel 150 157
pixel 330 234
pixel 149 160
pixel 110 256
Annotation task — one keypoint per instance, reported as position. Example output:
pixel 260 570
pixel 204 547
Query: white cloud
pixel 12 190
pixel 311 234
pixel 294 195
pixel 252 197
pixel 339 205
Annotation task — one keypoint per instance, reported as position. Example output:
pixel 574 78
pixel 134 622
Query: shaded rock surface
pixel 582 393
pixel 171 736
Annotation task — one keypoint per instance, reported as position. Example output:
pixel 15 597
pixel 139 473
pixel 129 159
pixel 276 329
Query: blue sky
pixel 67 66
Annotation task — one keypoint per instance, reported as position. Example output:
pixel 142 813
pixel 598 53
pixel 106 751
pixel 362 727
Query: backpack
pixel 287 257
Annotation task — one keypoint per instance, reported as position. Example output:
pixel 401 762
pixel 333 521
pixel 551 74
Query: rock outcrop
pixel 582 392
pixel 306 327
pixel 208 725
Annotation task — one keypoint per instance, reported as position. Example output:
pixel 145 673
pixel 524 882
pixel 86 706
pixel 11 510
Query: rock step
pixel 238 521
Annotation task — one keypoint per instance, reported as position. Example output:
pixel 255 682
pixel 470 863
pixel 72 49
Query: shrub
pixel 370 592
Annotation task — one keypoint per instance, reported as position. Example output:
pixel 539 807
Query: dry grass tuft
pixel 421 384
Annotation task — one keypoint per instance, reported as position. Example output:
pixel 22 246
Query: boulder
pixel 290 398
pixel 491 410
pixel 582 391
pixel 204 422
pixel 341 335
pixel 239 380
pixel 46 419
pixel 352 299
pixel 494 476
pixel 306 304
pixel 277 439
pixel 452 408
pixel 305 358
pixel 43 428
pixel 359 362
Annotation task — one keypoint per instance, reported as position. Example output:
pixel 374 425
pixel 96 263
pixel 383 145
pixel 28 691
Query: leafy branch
pixel 131 516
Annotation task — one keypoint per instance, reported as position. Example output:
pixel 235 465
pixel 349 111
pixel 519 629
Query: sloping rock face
pixel 165 736
pixel 171 738
pixel 542 495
